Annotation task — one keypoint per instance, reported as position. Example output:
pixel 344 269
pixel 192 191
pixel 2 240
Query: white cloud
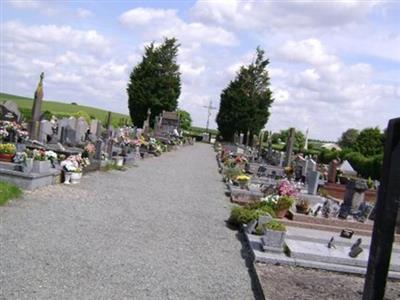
pixel 16 33
pixel 158 23
pixel 84 13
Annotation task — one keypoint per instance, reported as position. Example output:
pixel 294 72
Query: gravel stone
pixel 153 232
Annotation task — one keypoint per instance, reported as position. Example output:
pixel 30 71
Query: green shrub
pixel 244 214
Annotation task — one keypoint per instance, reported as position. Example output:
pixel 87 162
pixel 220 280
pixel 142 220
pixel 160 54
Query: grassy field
pixel 61 109
pixel 8 191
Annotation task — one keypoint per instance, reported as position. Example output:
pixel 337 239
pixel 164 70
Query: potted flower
pixel 302 206
pixel 89 151
pixel 273 238
pixel 242 180
pixel 3 134
pixel 41 163
pixel 7 152
pixel 68 167
pixel 282 206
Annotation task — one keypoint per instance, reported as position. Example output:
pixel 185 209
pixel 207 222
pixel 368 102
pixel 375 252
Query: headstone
pixel 332 171
pixel 45 131
pixel 68 135
pixel 36 109
pixel 241 137
pixel 353 197
pixel 94 127
pixel 311 165
pixel 98 145
pixel 81 129
pixel 9 112
pixel 281 159
pixel 313 181
pixel 289 147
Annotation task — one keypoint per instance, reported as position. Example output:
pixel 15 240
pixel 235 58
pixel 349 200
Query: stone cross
pixel 387 207
pixel 36 108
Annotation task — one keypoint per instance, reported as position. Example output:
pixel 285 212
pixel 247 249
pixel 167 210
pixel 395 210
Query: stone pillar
pixel 289 147
pixel 332 171
pixel 36 109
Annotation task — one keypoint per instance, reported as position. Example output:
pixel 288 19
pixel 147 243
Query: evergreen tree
pixel 155 82
pixel 245 103
pixel 185 119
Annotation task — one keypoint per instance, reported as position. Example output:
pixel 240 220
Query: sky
pixel 334 65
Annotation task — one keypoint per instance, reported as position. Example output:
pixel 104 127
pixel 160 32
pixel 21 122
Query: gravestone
pixel 95 127
pixel 289 147
pixel 45 131
pixel 241 137
pixel 387 207
pixel 353 197
pixel 81 129
pixel 9 112
pixel 332 171
pixel 98 146
pixel 281 159
pixel 66 122
pixel 36 109
pixel 68 135
pixel 311 165
pixel 313 181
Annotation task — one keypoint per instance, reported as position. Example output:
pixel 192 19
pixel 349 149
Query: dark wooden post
pixel 385 220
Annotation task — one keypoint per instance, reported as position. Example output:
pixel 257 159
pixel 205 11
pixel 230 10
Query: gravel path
pixel 152 232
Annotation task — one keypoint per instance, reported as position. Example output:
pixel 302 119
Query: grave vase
pixel 67 177
pixel 41 166
pixel 119 161
pixel 28 165
pixel 76 177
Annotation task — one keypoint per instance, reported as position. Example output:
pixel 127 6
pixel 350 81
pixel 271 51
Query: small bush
pixel 244 214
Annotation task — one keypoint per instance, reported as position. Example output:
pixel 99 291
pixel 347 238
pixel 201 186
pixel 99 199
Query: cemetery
pixel 174 164
pixel 295 211
pixel 42 152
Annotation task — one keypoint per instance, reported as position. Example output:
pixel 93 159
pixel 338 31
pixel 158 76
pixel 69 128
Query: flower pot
pixel 302 209
pixel 273 240
pixel 41 166
pixel 67 177
pixel 28 165
pixel 281 213
pixel 76 177
pixel 119 161
pixel 6 157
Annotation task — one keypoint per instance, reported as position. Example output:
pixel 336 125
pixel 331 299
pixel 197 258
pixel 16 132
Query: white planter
pixel 41 166
pixel 28 165
pixel 76 177
pixel 119 161
pixel 273 240
pixel 67 177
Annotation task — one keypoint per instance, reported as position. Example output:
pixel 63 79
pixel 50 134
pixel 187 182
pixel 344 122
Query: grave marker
pixel 36 108
pixel 289 147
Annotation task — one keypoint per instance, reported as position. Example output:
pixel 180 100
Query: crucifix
pixel 209 109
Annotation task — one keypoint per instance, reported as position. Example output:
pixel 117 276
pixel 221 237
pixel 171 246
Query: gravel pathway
pixel 152 232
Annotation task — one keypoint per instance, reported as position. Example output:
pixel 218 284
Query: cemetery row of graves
pixel 45 152
pixel 295 211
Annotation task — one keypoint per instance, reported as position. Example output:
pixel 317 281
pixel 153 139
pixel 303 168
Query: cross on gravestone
pixel 387 206
pixel 98 145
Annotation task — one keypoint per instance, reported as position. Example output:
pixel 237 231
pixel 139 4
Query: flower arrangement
pixel 90 148
pixel 50 155
pixel 38 154
pixel 243 178
pixel 3 133
pixel 7 148
pixel 20 157
pixel 75 163
pixel 285 188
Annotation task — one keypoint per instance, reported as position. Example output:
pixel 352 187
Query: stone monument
pixel 37 105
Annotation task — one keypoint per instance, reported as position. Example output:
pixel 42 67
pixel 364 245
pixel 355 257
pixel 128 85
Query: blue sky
pixel 333 64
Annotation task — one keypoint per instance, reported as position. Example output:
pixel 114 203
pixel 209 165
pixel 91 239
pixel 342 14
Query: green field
pixel 61 109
